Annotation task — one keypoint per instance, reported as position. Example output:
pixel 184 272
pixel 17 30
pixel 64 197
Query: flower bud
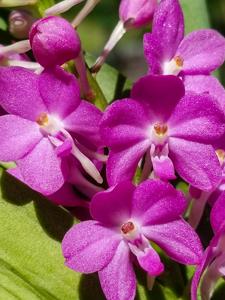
pixel 137 13
pixel 20 22
pixel 54 41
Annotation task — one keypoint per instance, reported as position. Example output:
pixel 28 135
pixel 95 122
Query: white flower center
pixel 130 230
pixel 49 124
pixel 158 133
pixel 174 66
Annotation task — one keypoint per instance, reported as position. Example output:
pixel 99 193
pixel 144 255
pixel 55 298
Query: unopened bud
pixel 137 13
pixel 20 22
pixel 54 41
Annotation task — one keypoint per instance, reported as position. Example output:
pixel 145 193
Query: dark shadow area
pixel 90 288
pixel 14 191
pixel 204 229
pixel 55 220
pixel 120 83
pixel 219 293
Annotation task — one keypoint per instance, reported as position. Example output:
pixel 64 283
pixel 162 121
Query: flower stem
pixel 114 38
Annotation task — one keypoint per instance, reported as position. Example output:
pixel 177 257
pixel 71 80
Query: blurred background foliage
pixel 128 55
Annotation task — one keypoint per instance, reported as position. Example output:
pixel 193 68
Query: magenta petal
pixel 206 84
pixel 196 163
pixel 178 239
pixel 198 273
pixel 41 168
pixel 203 51
pixel 60 91
pixel 18 137
pixel 198 118
pixel 158 94
pixel 150 261
pixel 217 217
pixel 113 206
pixel 167 32
pixel 20 93
pixel 124 123
pixel 163 167
pixel 84 121
pixel 118 279
pixel 88 247
pixel 154 53
pixel 157 202
pixel 122 165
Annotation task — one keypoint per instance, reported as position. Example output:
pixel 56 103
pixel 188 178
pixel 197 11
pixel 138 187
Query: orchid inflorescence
pixel 121 165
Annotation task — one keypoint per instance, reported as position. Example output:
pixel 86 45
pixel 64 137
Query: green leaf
pixel 3 24
pixel 42 5
pixel 31 263
pixel 113 84
pixel 195 14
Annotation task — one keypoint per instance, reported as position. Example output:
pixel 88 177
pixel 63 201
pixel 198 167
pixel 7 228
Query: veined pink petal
pixel 206 84
pixel 84 121
pixel 113 206
pixel 202 51
pixel 197 118
pixel 178 239
pixel 124 123
pixel 157 202
pixel 118 279
pixel 159 95
pixel 88 247
pixel 60 91
pixel 196 163
pixel 122 165
pixel 18 137
pixel 167 33
pixel 217 216
pixel 41 168
pixel 20 93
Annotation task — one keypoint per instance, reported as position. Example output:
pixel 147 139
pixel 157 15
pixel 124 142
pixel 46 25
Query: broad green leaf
pixel 31 263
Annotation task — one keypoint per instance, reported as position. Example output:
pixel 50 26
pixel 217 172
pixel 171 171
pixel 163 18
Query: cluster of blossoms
pixel 171 127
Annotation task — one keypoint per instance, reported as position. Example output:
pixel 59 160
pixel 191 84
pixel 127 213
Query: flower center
pixel 49 124
pixel 174 66
pixel 160 129
pixel 127 227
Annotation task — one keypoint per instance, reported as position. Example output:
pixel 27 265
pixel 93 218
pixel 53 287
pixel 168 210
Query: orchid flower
pixel 125 218
pixel 46 123
pixel 193 57
pixel 212 265
pixel 172 130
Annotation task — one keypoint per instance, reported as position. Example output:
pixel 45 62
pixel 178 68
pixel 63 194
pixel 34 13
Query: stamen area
pixel 160 129
pixel 42 119
pixel 127 227
pixel 49 124
pixel 130 230
pixel 174 66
